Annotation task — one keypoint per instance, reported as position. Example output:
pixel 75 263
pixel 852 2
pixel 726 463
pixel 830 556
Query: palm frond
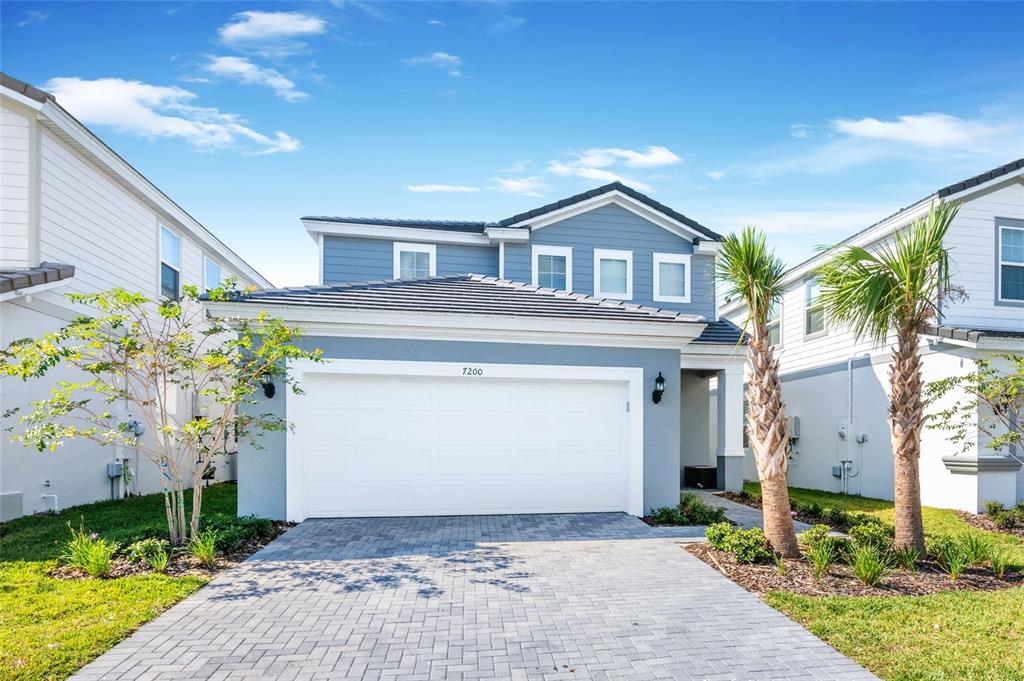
pixel 898 285
pixel 751 271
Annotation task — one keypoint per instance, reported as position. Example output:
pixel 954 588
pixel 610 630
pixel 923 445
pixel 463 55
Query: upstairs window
pixel 415 261
pixel 814 313
pixel 170 264
pixel 672 277
pixel 552 267
pixel 775 325
pixel 1011 263
pixel 613 274
pixel 211 274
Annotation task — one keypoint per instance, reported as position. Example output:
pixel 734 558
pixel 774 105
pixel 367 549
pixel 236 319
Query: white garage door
pixel 386 445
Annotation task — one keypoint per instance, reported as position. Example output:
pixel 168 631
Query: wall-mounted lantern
pixel 659 388
pixel 267 381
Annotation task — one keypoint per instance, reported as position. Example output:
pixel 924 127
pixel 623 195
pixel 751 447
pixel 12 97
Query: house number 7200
pixel 472 371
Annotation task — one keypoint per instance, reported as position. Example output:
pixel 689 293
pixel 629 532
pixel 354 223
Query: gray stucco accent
pixel 361 259
pixel 261 473
pixel 1003 222
pixel 966 464
pixel 613 227
pixel 730 473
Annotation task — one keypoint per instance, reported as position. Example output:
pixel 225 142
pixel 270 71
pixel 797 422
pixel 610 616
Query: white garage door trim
pixel 295 468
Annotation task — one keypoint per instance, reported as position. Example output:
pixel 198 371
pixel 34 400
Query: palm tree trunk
pixel 769 439
pixel 906 408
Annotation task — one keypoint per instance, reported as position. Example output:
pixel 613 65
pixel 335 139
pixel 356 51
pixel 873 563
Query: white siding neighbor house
pixel 76 217
pixel 837 385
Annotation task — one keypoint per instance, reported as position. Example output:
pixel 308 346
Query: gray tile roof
pixel 722 332
pixel 480 226
pixel 982 178
pixel 15 279
pixel 969 335
pixel 465 294
pixel 23 88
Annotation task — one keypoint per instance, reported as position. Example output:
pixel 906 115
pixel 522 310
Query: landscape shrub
pixel 814 509
pixel 148 551
pixel 977 548
pixel 1000 562
pixel 690 511
pixel 838 517
pixel 994 507
pixel 718 535
pixel 822 555
pixel 203 547
pixel 906 557
pixel 950 555
pixel 878 535
pixel 869 564
pixel 816 535
pixel 232 532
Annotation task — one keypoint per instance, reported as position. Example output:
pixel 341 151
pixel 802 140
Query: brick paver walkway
pixel 589 596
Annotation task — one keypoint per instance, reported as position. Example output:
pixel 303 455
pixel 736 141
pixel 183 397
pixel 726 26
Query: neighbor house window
pixel 1011 263
pixel 814 312
pixel 613 274
pixel 672 277
pixel 170 264
pixel 414 261
pixel 552 267
pixel 775 324
pixel 211 274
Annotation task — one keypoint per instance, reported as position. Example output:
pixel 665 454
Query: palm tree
pixel 754 273
pixel 895 289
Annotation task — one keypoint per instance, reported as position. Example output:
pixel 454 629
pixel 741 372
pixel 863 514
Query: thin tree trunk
pixel 906 408
pixel 181 511
pixel 172 529
pixel 197 503
pixel 768 432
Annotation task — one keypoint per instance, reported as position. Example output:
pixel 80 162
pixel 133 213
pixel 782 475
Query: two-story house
pixel 837 385
pixel 532 364
pixel 76 217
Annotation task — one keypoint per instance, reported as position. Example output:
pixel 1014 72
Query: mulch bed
pixel 181 564
pixel 983 522
pixel 799 579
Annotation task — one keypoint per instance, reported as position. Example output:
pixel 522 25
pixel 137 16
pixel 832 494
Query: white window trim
pixel 677 259
pixel 808 335
pixel 207 260
pixel 400 246
pixel 603 253
pixel 563 251
pixel 177 268
pixel 1001 262
pixel 296 405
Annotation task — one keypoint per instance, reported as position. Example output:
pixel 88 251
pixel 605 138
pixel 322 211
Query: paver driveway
pixel 588 596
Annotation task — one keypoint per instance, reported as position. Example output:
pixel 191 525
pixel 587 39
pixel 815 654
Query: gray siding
pixel 261 472
pixel 614 227
pixel 357 259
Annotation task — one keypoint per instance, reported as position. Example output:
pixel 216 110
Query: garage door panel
pixel 423 445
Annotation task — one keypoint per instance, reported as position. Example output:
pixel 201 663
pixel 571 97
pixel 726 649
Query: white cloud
pixel 932 130
pixel 441 60
pixel 525 186
pixel 508 23
pixel 33 17
pixel 271 33
pixel 436 22
pixel 244 71
pixel 516 167
pixel 717 174
pixel 155 111
pixel 596 163
pixel 441 188
pixel 800 130
pixel 599 174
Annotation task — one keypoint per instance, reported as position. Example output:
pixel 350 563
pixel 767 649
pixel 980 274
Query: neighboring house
pixel 76 217
pixel 501 367
pixel 837 386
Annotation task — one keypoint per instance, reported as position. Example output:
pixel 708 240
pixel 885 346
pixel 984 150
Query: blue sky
pixel 809 120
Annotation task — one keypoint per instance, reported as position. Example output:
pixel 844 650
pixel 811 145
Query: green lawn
pixel 50 627
pixel 921 638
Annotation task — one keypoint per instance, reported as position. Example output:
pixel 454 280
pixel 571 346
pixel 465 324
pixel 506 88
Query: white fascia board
pixel 515 234
pixel 29 291
pixel 628 202
pixel 350 322
pixel 391 232
pixel 712 356
pixel 705 247
pixel 67 128
pixel 21 99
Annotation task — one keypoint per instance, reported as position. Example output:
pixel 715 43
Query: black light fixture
pixel 267 381
pixel 659 388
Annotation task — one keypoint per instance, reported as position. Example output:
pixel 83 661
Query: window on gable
pixel 552 267
pixel 814 313
pixel 1011 263
pixel 414 261
pixel 775 325
pixel 613 274
pixel 170 264
pixel 672 277
pixel 211 274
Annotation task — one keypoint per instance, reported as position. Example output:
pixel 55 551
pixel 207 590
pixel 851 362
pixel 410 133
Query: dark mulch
pixel 181 563
pixel 798 578
pixel 983 522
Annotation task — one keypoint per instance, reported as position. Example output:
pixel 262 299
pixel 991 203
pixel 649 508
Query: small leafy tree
pixel 146 355
pixel 992 402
